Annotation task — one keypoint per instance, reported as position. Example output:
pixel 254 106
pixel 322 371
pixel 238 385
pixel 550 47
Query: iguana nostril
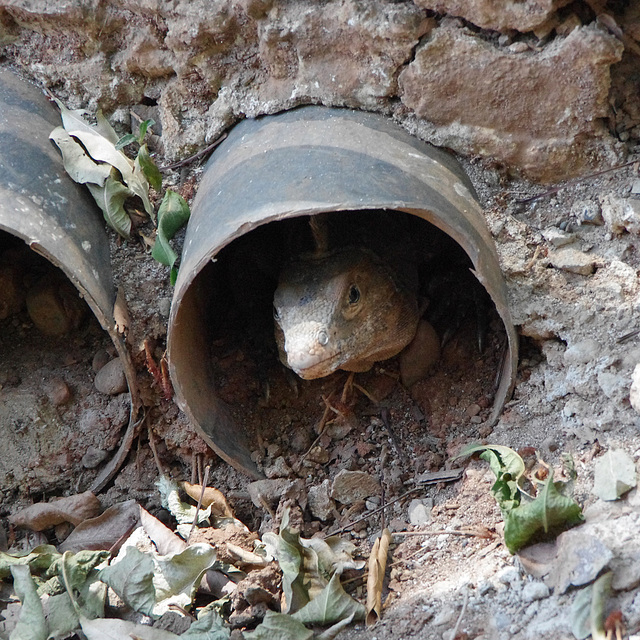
pixel 323 338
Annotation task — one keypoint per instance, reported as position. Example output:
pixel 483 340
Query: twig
pixel 202 488
pixel 628 336
pixel 571 183
pixel 373 513
pixel 195 156
pixel 438 532
pixel 384 416
pixel 156 457
pixel 464 609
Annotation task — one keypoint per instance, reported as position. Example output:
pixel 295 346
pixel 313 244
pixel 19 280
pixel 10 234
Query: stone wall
pixel 528 86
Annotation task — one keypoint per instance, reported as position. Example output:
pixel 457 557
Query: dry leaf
pixel 375 579
pixel 212 496
pixel 121 313
pixel 104 531
pixel 73 509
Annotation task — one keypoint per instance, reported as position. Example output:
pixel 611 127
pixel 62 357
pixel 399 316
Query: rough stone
pixel 320 503
pixel 279 469
pixel 573 261
pixel 93 457
pixel 535 591
pixel 503 16
pixel 512 106
pixel 558 238
pixel 622 214
pixel 582 352
pixel 58 392
pixel 419 512
pixel 350 486
pixel 111 379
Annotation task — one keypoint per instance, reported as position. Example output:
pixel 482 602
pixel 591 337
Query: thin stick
pixel 156 457
pixel 373 513
pixel 571 183
pixel 464 609
pixel 195 156
pixel 202 488
pixel 437 532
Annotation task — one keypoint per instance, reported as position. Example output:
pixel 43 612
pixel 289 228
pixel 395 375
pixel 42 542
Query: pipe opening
pixel 49 342
pixel 267 402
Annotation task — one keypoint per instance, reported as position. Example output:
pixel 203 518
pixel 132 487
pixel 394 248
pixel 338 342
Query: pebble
pixel 318 454
pixel 622 214
pixel 473 410
pixel 535 591
pixel 350 486
pixel 320 503
pixel 558 238
pixel 93 457
pixel 582 352
pixel 279 469
pixel 419 512
pixel 58 392
pixel 164 307
pixel 573 261
pixel 588 212
pixel 100 358
pixel 111 379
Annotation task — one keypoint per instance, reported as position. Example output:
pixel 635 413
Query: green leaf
pixel 335 629
pixel 549 510
pixel 599 597
pixel 288 551
pixel 110 199
pixel 76 162
pixel 101 149
pixel 31 625
pixel 39 560
pixel 149 168
pixel 503 459
pixel 60 615
pixel 173 214
pixel 208 626
pixel 179 574
pixel 126 139
pixel 331 605
pixel 142 130
pixel 279 626
pixel 132 579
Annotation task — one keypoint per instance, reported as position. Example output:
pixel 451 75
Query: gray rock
pixel 622 214
pixel 320 503
pixel 419 512
pixel 279 469
pixel 582 352
pixel 535 591
pixel 111 379
pixel 558 238
pixel 573 261
pixel 93 457
pixel 350 486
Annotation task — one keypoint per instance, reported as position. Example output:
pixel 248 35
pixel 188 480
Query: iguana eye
pixel 276 315
pixel 354 294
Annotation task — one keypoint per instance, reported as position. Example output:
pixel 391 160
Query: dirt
pixel 571 400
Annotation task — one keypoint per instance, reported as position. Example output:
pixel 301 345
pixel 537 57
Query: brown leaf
pixel 211 496
pixel 105 531
pixel 165 540
pixel 43 515
pixel 121 313
pixel 375 579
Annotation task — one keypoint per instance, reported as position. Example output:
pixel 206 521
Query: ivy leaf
pixel 132 579
pixel 331 605
pixel 104 128
pixel 32 624
pixel 144 125
pixel 173 214
pixel 110 199
pixel 39 560
pixel 149 168
pixel 550 510
pixel 126 139
pixel 279 626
